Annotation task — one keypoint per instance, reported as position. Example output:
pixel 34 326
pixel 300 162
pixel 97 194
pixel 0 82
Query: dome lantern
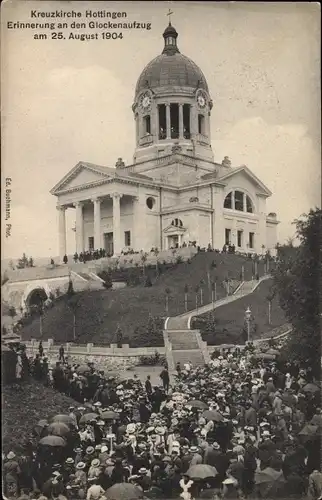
pixel 170 36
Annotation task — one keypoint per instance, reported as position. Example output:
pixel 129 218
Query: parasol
pixel 124 491
pixel 88 417
pixel 58 429
pixel 201 471
pixel 66 419
pixel 213 415
pixel 312 388
pixel 200 405
pixel 109 415
pixel 52 441
pixel 83 369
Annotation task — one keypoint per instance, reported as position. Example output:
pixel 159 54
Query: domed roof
pixel 171 68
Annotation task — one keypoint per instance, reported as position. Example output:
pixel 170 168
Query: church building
pixel 174 192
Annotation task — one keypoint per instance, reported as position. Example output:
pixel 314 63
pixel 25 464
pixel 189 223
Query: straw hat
pixel 95 462
pixel 11 455
pixel 143 470
pixel 229 480
pixel 90 450
pixel 69 460
pixel 104 449
pixel 80 465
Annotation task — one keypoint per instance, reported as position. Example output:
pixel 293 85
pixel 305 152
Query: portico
pixel 93 205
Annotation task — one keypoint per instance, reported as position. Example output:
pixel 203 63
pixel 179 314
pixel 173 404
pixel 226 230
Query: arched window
pixel 177 223
pixel 240 201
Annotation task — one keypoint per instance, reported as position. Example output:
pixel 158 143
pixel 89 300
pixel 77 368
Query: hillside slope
pixel 231 317
pixel 100 312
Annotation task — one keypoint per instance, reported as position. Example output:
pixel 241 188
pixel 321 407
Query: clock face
pixel 201 101
pixel 145 101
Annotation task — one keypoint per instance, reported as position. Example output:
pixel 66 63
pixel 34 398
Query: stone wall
pixel 111 358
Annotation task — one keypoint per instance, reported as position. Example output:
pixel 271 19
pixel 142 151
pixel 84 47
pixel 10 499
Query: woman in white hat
pixel 230 488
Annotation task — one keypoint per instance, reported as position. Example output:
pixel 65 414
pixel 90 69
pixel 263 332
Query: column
pixel 193 121
pixel 139 222
pixel 117 243
pixel 79 227
pixel 97 224
pixel 61 230
pixel 168 120
pixel 180 121
pixel 233 200
pixel 244 203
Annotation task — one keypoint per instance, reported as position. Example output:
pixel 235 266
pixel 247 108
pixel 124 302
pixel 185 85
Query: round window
pixel 150 202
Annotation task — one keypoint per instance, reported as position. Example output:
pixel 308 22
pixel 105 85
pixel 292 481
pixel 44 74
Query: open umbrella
pixel 124 491
pixel 88 417
pixel 83 369
pixel 310 432
pixel 200 405
pixel 40 426
pixel 269 482
pixel 109 415
pixel 311 388
pixel 201 471
pixel 52 441
pixel 273 352
pixel 213 415
pixel 58 429
pixel 66 419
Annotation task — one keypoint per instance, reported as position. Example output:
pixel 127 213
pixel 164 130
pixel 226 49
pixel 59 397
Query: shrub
pixel 148 281
pixel 152 360
pixel 179 259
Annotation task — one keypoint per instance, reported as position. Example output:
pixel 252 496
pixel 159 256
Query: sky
pixel 68 100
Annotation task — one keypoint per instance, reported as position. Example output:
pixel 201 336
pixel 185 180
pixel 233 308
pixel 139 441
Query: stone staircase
pixel 93 281
pixel 184 345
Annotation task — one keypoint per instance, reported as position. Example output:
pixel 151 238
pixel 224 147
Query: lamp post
pixel 248 314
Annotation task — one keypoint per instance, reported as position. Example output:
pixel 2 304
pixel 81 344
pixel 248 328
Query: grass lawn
pixel 232 316
pixel 23 407
pixel 100 312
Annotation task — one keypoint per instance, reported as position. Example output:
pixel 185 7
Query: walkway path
pixel 183 321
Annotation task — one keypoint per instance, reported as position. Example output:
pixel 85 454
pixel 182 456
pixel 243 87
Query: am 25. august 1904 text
pixel 77 25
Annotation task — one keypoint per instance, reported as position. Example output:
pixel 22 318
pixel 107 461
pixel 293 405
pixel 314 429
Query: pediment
pixel 82 174
pixel 174 229
pixel 243 173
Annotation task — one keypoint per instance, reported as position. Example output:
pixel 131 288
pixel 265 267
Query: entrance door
pixel 173 241
pixel 108 243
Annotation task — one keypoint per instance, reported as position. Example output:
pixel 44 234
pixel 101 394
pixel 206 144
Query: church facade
pixel 174 192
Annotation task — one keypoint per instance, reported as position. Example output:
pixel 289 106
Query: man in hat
pixel 164 376
pixel 196 457
pixel 148 385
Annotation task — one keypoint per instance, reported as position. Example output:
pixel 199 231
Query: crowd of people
pixel 235 428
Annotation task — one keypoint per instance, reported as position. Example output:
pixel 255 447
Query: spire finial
pixel 169 14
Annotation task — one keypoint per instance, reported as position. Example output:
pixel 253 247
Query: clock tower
pixel 172 106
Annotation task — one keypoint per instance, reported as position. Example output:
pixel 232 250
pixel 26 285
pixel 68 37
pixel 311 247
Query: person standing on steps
pixel 164 376
pixel 62 354
pixel 41 349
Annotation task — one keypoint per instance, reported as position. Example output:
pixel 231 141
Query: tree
pixel 270 298
pixel 31 262
pixel 297 281
pixel 186 291
pixel 119 336
pixel 213 293
pixel 197 289
pixel 73 303
pixel 147 282
pixel 202 284
pixel 23 262
pixel 143 260
pixel 167 295
pixel 156 253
